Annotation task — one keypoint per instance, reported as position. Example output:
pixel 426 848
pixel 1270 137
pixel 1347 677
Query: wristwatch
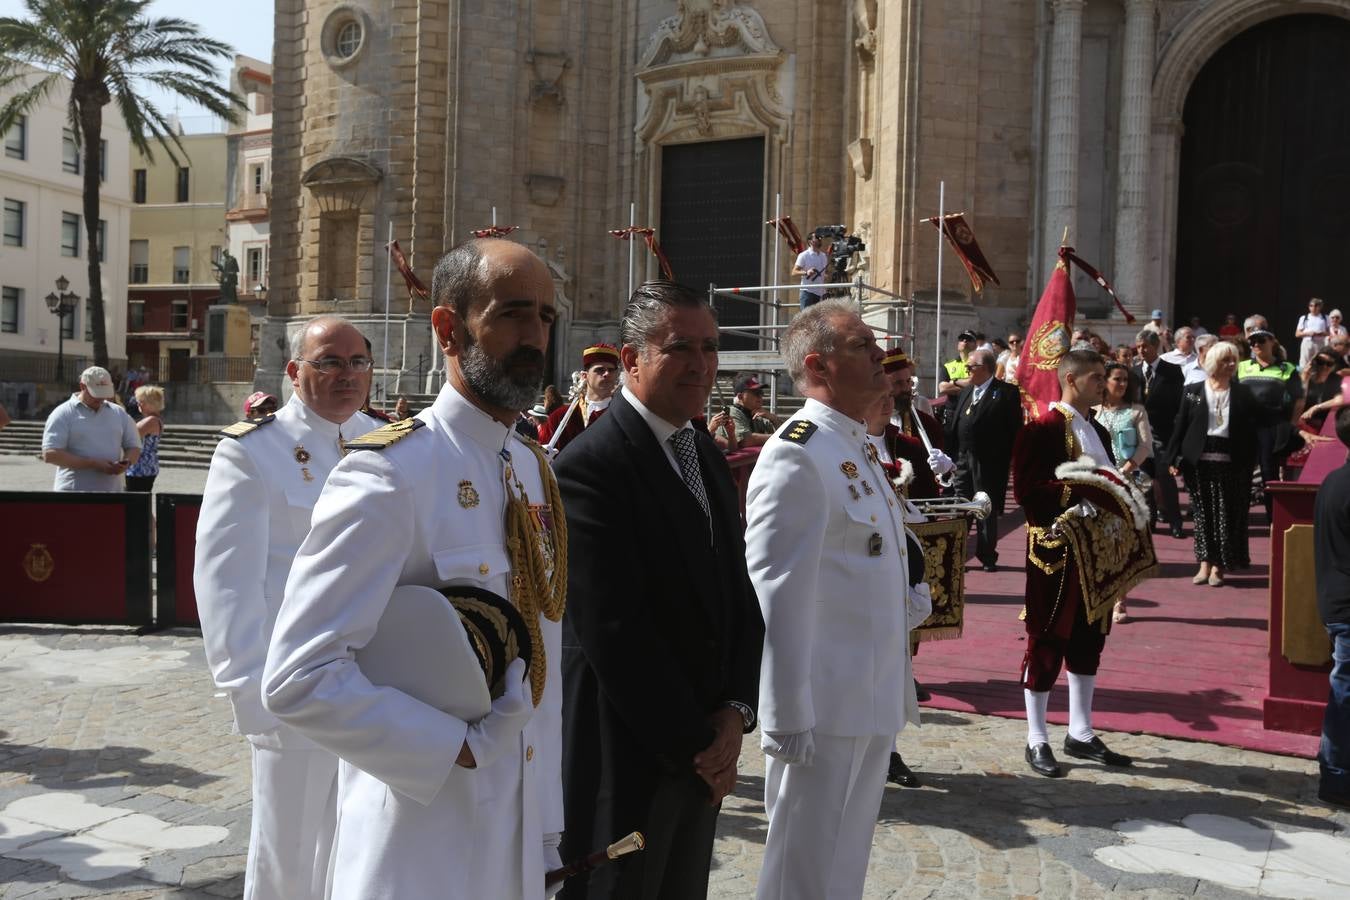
pixel 747 715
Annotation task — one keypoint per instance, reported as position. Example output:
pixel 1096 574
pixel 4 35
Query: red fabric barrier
pixel 79 558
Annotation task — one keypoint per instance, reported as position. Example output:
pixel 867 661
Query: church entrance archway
pixel 1263 216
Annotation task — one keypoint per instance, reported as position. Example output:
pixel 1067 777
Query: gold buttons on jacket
pixel 529 753
pixel 483 569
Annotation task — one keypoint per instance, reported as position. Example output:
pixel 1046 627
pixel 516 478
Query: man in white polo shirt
pixel 91 442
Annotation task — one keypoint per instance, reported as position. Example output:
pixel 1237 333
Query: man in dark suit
pixel 979 436
pixel 662 635
pixel 1161 384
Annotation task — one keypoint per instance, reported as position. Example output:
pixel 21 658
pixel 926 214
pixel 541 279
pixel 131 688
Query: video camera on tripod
pixel 843 246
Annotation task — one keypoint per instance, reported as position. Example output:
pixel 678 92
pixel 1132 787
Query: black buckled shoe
pixel 899 773
pixel 1042 760
pixel 1095 749
pixel 921 693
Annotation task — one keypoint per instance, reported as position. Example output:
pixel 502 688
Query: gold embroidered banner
pixel 944 558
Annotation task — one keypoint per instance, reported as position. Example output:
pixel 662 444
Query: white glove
pixel 495 733
pixel 940 462
pixel 796 749
pixel 552 860
pixel 920 605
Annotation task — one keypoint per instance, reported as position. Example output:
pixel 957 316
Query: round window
pixel 348 39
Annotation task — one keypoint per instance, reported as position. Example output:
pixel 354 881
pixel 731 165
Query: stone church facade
pixel 420 118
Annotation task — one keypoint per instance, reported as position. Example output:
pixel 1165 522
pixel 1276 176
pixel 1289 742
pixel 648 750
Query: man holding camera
pixel 810 266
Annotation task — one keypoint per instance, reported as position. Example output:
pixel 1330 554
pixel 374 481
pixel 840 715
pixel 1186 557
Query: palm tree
pixel 103 49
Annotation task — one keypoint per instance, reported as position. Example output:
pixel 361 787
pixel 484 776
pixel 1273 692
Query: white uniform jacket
pixel 826 552
pixel 428 510
pixel 255 512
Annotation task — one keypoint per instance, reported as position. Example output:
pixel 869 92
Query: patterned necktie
pixel 687 456
pixel 1148 380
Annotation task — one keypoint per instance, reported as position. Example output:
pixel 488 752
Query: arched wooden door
pixel 1264 211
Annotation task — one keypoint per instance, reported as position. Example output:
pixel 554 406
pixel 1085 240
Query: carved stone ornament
pixel 548 72
pixel 865 15
pixel 860 154
pixel 712 72
pixel 544 189
pixel 701 28
pixel 340 171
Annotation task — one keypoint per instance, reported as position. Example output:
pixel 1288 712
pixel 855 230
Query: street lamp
pixel 62 304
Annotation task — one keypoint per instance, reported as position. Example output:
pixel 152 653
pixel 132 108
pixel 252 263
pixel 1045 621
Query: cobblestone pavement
pixel 119 777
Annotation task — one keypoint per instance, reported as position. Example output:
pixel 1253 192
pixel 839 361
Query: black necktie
pixel 686 454
pixel 1148 379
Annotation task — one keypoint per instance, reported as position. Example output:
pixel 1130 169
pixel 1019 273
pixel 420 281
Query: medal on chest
pixel 302 457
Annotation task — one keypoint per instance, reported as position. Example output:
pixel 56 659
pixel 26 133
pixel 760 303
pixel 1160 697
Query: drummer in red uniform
pixel 600 371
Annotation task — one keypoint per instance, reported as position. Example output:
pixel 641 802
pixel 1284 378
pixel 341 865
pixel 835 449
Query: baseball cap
pixel 747 383
pixel 966 336
pixel 97 382
pixel 256 398
pixel 1156 314
pixel 1260 333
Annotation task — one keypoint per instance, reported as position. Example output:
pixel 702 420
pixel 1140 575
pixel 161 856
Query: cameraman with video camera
pixel 810 266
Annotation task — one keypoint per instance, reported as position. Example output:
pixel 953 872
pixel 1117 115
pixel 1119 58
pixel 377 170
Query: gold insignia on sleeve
pixel 386 435
pixel 849 468
pixel 798 431
pixel 468 494
pixel 246 426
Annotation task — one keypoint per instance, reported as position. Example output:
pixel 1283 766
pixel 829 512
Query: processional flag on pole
pixel 415 286
pixel 649 235
pixel 967 249
pixel 1047 341
pixel 494 231
pixel 788 230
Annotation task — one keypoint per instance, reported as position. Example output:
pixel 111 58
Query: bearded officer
pixel 829 704
pixel 264 480
pixel 433 805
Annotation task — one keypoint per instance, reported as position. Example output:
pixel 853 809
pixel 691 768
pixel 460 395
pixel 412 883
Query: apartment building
pixel 43 238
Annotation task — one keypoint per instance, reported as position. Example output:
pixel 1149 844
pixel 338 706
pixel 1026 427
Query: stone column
pixel 1061 146
pixel 1136 108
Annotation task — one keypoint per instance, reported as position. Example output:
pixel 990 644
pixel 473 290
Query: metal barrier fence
pixel 165 370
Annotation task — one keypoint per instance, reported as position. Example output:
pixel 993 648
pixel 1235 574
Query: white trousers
pixel 294 814
pixel 821 819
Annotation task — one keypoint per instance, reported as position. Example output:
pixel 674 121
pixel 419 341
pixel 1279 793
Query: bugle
pixel 979 507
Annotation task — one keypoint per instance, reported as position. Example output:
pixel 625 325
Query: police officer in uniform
pixel 1279 392
pixel 264 480
pixel 823 524
pixel 433 805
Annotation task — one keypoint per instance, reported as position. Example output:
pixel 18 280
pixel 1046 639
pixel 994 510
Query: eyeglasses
pixel 1322 362
pixel 1014 340
pixel 331 365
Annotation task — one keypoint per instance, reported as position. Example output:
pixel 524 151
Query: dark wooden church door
pixel 712 222
pixel 1264 212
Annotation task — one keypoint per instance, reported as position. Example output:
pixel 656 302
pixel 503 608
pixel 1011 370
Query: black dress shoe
pixel 921 693
pixel 990 567
pixel 1042 760
pixel 1177 531
pixel 1095 749
pixel 899 773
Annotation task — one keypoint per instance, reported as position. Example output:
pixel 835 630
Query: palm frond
pixel 22 102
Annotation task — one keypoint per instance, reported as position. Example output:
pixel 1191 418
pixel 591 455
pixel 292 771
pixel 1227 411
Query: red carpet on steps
pixel 1190 663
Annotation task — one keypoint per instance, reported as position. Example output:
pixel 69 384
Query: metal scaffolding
pixel 776 313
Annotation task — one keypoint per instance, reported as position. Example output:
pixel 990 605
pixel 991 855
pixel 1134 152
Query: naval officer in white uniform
pixel 432 805
pixel 826 550
pixel 265 477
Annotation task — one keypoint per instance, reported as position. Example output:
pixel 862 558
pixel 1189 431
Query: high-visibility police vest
pixel 1271 384
pixel 956 369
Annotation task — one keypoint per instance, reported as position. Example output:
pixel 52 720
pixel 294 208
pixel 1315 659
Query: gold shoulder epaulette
pixel 385 435
pixel 247 426
pixel 798 431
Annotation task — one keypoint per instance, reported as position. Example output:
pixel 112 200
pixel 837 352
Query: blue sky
pixel 244 24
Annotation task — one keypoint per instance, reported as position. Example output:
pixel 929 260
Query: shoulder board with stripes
pixel 798 431
pixel 385 435
pixel 246 426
